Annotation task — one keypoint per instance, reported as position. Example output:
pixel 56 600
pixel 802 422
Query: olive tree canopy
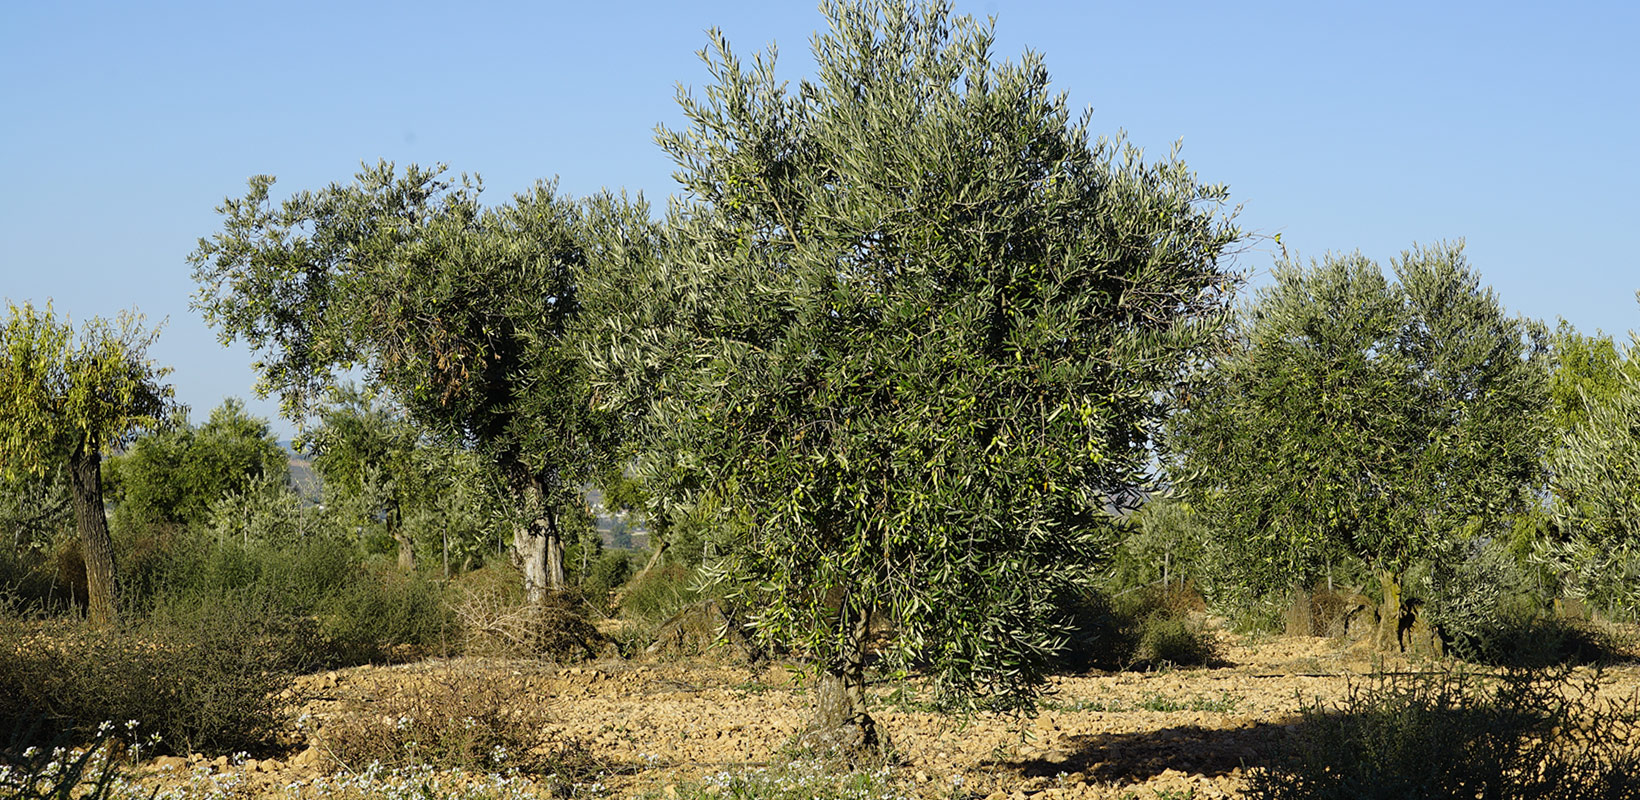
pixel 1358 416
pixel 1596 498
pixel 459 311
pixel 910 332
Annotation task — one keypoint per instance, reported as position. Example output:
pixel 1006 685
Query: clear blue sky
pixel 1342 126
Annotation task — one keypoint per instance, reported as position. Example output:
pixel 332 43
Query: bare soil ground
pixel 651 725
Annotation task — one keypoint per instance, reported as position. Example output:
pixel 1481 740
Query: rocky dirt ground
pixel 658 724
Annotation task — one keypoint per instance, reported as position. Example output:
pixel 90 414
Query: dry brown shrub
pixel 497 622
pixel 704 628
pixel 456 718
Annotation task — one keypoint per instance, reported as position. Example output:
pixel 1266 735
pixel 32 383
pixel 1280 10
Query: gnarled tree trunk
pixel 841 725
pixel 407 551
pixel 85 467
pixel 555 551
pixel 538 548
pixel 530 551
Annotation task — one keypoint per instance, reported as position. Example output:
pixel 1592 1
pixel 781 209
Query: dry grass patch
pixel 457 719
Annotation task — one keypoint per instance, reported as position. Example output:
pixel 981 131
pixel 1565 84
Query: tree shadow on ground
pixel 1441 738
pixel 1135 757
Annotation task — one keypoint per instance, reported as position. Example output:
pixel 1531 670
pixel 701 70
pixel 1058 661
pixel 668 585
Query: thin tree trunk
pixel 407 548
pixel 854 679
pixel 654 559
pixel 586 554
pixel 86 468
pixel 1389 615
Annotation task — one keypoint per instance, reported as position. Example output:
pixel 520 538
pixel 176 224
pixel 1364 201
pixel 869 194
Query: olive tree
pixel 365 452
pixel 457 310
pixel 383 472
pixel 68 395
pixel 1358 416
pixel 1596 497
pixel 1587 371
pixel 908 334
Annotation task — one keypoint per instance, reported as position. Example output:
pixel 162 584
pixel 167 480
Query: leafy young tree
pixel 69 394
pixel 1162 546
pixel 458 311
pixel 1596 499
pixel 382 472
pixel 908 334
pixel 174 474
pixel 1362 417
pixel 1587 372
pixel 366 455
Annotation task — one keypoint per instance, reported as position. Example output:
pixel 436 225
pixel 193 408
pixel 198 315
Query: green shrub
pixel 1533 638
pixel 1493 608
pixel 145 552
pixel 1524 734
pixel 364 611
pixel 208 683
pixel 654 597
pixel 1167 639
pixel 381 614
pixel 29 584
pixel 301 574
pixel 612 570
pixel 1145 628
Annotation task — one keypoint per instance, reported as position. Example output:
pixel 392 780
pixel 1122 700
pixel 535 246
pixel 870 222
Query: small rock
pixel 310 757
pixel 171 763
